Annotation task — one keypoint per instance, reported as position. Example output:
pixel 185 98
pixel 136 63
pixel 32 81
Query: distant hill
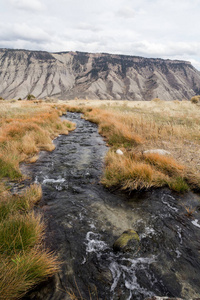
pixel 67 75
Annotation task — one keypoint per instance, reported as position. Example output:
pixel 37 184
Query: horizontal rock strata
pixel 68 75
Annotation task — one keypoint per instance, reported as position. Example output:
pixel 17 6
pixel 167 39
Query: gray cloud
pixel 150 28
pixel 30 5
pixel 126 12
pixel 88 27
pixel 23 32
pixel 33 33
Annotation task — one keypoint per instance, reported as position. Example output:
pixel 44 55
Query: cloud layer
pixel 150 28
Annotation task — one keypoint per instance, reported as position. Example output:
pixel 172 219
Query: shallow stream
pixel 84 219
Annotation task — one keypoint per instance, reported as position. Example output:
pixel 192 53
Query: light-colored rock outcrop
pixel 157 151
pixel 96 76
pixel 119 152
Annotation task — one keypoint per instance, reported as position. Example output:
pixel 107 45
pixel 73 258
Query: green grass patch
pixel 178 184
pixel 23 262
pixel 19 233
pixel 12 204
pixel 8 170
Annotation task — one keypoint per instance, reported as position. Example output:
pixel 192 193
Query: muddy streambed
pixel 84 219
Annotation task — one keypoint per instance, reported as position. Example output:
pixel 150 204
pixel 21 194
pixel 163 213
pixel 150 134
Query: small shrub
pixel 30 97
pixel 195 99
pixel 157 100
pixel 189 211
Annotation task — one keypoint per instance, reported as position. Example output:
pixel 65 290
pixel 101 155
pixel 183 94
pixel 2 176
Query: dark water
pixel 84 219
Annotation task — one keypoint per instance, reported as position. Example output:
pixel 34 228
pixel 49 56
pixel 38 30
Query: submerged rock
pixel 128 241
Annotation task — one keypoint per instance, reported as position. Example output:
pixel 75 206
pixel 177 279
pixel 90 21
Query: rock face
pixel 68 75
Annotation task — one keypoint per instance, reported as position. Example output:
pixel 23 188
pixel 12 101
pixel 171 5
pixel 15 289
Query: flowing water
pixel 84 219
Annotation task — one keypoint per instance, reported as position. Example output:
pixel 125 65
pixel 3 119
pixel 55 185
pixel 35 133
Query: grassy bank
pixel 135 128
pixel 26 128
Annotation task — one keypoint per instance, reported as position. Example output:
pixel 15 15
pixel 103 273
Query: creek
pixel 83 219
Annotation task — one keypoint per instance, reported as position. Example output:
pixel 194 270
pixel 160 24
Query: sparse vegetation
pixel 25 130
pixel 189 211
pixel 195 99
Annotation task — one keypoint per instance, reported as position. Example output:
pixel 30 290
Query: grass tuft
pixel 166 164
pixel 178 184
pixel 12 204
pixel 128 174
pixel 24 270
pixel 19 233
pixel 7 169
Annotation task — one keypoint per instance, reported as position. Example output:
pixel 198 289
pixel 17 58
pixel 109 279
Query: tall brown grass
pixel 114 127
pixel 130 174
pixel 23 271
pixel 138 126
pixel 26 128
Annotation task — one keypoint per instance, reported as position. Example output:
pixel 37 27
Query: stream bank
pixel 84 219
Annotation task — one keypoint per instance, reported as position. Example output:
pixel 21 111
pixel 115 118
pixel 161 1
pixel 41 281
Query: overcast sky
pixel 149 28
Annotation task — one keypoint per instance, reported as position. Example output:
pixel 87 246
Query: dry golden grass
pixel 165 164
pixel 131 174
pixel 23 271
pixel 23 261
pixel 26 128
pixel 136 126
pixel 114 127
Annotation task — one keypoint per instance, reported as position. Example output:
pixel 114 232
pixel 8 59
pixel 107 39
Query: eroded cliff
pixel 67 75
